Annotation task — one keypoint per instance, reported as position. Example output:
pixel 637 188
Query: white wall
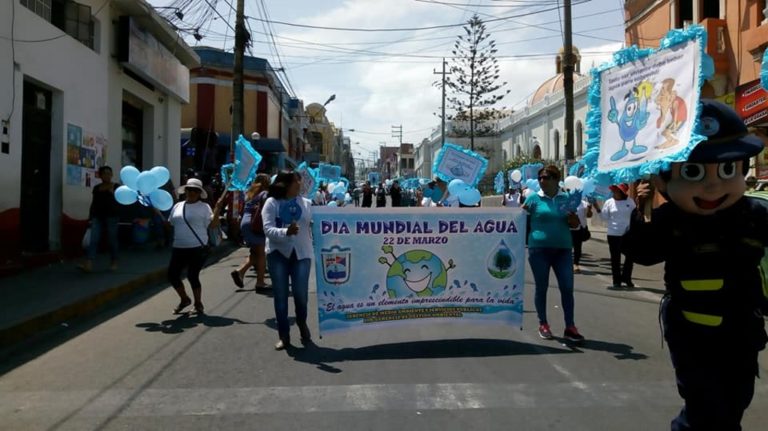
pixel 73 72
pixel 88 87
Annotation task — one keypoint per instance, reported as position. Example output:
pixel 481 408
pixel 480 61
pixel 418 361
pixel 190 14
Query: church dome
pixel 555 83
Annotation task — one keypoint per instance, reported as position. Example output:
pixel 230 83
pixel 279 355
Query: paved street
pixel 139 367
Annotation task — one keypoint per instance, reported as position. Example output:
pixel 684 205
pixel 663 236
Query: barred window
pixel 71 17
pixel 40 7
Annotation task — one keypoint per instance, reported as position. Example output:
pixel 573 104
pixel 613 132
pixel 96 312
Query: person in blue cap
pixel 711 238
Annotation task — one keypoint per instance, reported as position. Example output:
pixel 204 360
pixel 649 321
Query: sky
pixel 385 78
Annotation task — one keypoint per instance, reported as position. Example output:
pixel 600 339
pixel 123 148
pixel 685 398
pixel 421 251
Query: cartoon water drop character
pixel 415 271
pixel 634 117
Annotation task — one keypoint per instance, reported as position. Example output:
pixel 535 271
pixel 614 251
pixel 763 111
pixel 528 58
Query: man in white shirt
pixel 617 212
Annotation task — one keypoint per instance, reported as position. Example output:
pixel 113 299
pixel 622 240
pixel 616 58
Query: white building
pixel 539 129
pixel 85 84
pixel 423 159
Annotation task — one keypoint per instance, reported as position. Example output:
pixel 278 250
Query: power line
pixel 290 24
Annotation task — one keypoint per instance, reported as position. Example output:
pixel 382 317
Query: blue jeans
pixel 280 269
pixel 561 261
pixel 97 225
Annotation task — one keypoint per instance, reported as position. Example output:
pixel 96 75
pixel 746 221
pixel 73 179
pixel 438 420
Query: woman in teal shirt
pixel 549 246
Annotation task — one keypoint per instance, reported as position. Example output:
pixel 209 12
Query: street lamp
pixel 330 99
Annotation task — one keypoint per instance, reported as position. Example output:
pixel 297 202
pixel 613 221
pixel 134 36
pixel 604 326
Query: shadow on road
pixel 619 351
pixel 189 321
pixel 460 348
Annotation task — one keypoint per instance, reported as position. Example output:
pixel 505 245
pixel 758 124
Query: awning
pixel 292 164
pixel 268 145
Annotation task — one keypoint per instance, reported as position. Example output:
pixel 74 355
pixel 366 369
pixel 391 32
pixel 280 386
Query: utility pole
pixel 442 116
pixel 237 82
pixel 237 105
pixel 397 132
pixel 568 80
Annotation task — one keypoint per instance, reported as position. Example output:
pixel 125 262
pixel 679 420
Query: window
pixel 71 17
pixel 710 9
pixel 684 13
pixel 40 7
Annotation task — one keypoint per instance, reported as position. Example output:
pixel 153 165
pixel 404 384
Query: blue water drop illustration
pixel 474 287
pixel 457 284
pixel 501 261
pixel 375 288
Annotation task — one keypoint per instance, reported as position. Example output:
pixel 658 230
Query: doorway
pixel 35 168
pixel 133 134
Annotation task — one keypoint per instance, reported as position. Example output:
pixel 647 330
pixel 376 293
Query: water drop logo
pixel 501 262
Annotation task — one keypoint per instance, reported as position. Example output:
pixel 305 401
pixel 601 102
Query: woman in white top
pixel 287 218
pixel 513 198
pixel 191 220
pixel 617 212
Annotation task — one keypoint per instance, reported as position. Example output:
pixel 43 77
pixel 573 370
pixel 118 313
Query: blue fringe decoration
pixel 594 115
pixel 764 70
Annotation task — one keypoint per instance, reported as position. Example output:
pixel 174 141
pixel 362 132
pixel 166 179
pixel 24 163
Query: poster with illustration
pixel 328 173
pixel 648 106
pixel 455 162
pixel 86 152
pixel 405 266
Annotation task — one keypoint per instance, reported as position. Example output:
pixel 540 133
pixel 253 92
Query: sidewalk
pixel 38 299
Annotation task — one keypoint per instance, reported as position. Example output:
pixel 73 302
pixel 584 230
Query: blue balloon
pixel 456 186
pixel 332 204
pixel 161 174
pixel 589 187
pixel 126 195
pixel 161 200
pixel 272 180
pixel 128 176
pixel 469 196
pixel 145 182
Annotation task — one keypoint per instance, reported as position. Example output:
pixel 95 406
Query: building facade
pixel 737 37
pixel 208 118
pixel 538 130
pixel 87 84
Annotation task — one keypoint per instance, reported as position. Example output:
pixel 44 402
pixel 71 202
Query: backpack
pixel 257 223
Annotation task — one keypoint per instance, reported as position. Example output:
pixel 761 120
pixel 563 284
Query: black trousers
pixel 716 383
pixel 619 274
pixel 192 259
pixel 577 243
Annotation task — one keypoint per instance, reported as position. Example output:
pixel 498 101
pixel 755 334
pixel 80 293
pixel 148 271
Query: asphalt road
pixel 139 367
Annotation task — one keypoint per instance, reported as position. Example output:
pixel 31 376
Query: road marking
pixel 351 398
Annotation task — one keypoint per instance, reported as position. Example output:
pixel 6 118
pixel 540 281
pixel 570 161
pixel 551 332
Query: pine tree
pixel 473 82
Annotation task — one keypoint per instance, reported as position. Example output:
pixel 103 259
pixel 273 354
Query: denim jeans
pixel 280 269
pixel 97 225
pixel 561 261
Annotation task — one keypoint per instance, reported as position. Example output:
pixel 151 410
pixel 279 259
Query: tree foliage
pixel 473 83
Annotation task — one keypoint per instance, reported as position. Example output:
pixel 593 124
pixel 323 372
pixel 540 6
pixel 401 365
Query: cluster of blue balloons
pixel 339 191
pixel 144 187
pixel 466 194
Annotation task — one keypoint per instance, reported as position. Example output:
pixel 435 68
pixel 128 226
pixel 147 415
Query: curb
pixel 92 304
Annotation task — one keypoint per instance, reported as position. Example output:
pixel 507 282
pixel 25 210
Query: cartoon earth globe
pixel 416 272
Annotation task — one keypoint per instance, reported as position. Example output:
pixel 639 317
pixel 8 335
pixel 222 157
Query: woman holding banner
pixel 549 247
pixel 287 217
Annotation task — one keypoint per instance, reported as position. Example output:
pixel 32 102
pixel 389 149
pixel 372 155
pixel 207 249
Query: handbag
pixel 585 233
pixel 205 249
